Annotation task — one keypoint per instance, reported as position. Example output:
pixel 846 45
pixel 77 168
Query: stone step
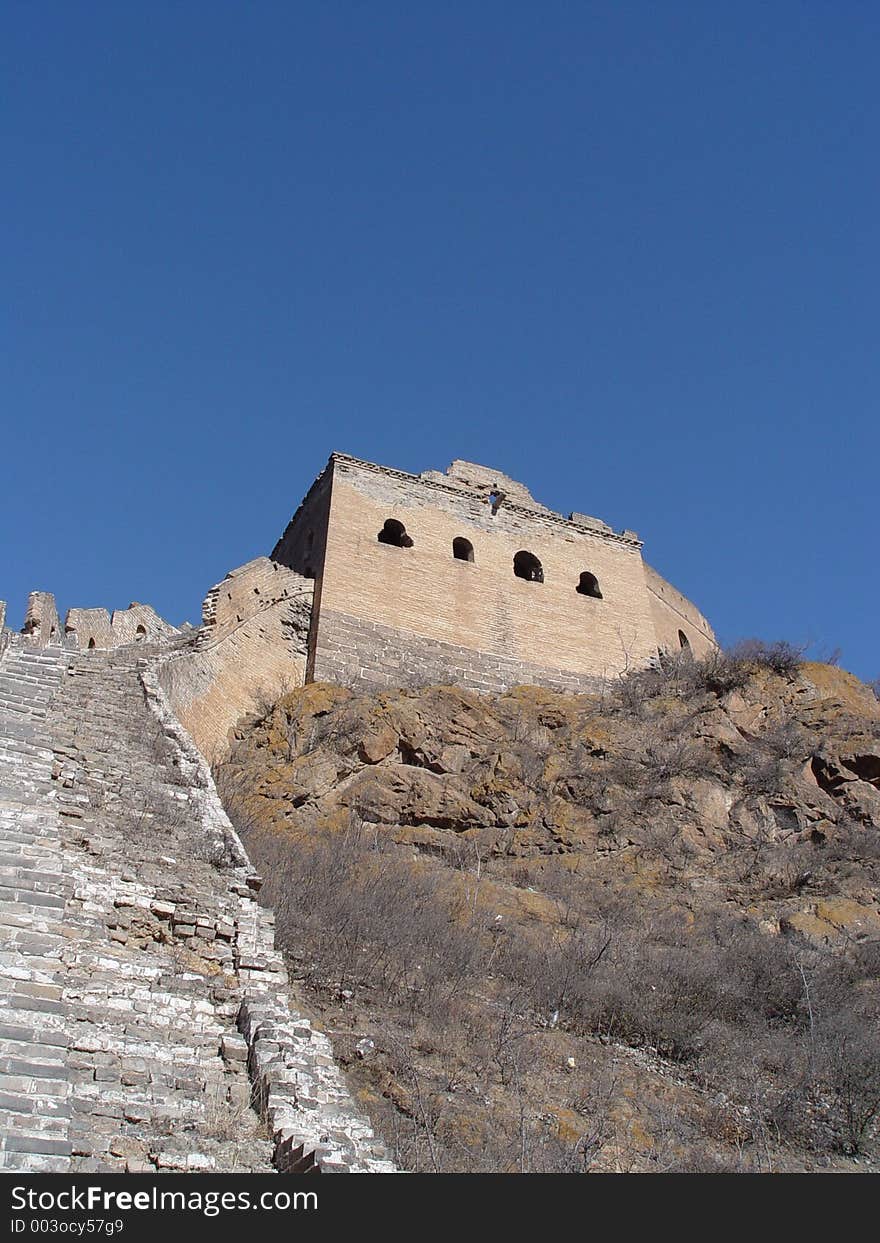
pixel 126 1040
pixel 38 1144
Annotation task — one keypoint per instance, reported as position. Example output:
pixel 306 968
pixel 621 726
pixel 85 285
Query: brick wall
pixel 356 652
pixel 675 615
pixel 251 649
pixel 139 623
pixel 476 608
pixel 90 627
pixel 41 623
pixel 302 546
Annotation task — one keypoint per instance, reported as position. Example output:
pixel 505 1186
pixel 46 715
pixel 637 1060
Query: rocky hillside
pixel 636 931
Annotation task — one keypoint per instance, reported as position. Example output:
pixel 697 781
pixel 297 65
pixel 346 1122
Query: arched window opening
pixel 526 565
pixel 588 585
pixel 394 533
pixel 683 641
pixel 462 549
pixel 140 634
pixel 92 643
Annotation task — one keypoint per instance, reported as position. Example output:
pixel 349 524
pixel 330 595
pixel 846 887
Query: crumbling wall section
pixel 145 1004
pixel 41 623
pixel 250 650
pixel 95 628
pixel 139 623
pixel 297 1087
pixel 90 628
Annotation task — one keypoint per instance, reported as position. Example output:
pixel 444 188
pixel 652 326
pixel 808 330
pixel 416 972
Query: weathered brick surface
pixel 481 605
pixel 144 1003
pixel 90 628
pixel 356 652
pixel 303 545
pixel 34 936
pixel 95 628
pixel 475 622
pixel 251 648
pixel 674 615
pixel 41 624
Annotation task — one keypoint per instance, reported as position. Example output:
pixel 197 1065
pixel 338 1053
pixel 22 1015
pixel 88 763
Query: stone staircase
pixel 34 891
pixel 145 1006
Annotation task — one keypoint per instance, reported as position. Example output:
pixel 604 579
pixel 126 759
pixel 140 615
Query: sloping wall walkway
pixel 145 1004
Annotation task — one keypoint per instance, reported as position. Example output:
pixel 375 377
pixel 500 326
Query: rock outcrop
pixel 535 773
pixel 674 882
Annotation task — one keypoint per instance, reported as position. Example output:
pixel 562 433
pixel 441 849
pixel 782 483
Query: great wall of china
pixel 148 1024
pixel 147 1020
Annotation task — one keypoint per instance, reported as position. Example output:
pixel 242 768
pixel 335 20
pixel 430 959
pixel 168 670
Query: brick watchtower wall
pixel 390 614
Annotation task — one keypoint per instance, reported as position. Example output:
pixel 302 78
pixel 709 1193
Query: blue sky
pixel 626 252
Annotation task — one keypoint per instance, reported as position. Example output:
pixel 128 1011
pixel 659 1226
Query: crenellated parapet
pixel 41 624
pixel 95 628
pixel 88 629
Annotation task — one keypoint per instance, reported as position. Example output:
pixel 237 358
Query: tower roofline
pixel 536 514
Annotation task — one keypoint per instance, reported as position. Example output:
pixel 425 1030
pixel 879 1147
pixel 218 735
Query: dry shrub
pixel 680 676
pixel 787 1029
